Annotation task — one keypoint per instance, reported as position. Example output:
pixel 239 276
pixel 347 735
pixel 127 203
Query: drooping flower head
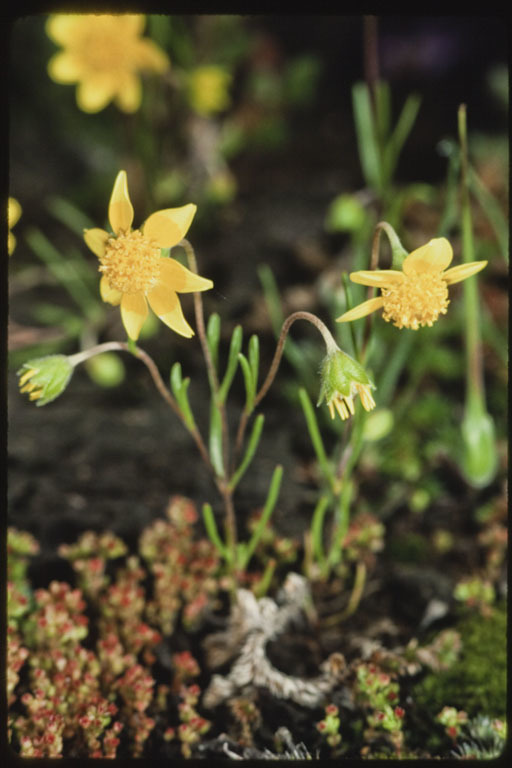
pixel 104 55
pixel 13 215
pixel 134 272
pixel 342 378
pixel 416 295
pixel 45 378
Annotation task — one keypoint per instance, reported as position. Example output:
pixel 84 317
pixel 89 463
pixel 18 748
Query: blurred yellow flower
pixel 207 89
pixel 135 272
pixel 417 294
pixel 13 215
pixel 104 55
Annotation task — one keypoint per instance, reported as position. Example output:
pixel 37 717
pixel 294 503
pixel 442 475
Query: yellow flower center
pixel 101 50
pixel 417 300
pixel 131 262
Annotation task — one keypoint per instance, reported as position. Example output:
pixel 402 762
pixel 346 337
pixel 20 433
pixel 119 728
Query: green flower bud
pixel 342 378
pixel 45 378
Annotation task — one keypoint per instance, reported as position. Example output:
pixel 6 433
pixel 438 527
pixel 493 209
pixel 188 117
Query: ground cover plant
pixel 266 520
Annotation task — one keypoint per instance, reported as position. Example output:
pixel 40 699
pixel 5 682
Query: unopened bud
pixel 45 378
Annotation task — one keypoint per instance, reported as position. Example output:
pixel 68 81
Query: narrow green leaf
pixel 492 210
pixel 213 337
pixel 249 383
pixel 317 529
pixel 250 450
pixel 213 532
pixel 272 496
pixel 254 358
pixel 234 349
pixel 215 439
pixel 315 436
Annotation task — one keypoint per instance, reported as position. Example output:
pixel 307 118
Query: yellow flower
pixel 417 294
pixel 104 55
pixel 208 89
pixel 13 214
pixel 135 272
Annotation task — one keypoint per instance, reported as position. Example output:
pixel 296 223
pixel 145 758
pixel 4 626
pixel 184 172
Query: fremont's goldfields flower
pixel 13 215
pixel 207 89
pixel 103 54
pixel 343 377
pixel 45 378
pixel 418 293
pixel 134 271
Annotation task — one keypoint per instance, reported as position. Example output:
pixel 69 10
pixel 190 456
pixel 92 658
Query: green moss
pixel 476 683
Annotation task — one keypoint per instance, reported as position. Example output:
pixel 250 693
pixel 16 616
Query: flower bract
pixel 134 272
pixel 13 215
pixel 45 378
pixel 104 55
pixel 343 377
pixel 418 293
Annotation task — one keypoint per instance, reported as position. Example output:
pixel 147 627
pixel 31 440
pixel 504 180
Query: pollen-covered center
pixel 417 300
pixel 131 262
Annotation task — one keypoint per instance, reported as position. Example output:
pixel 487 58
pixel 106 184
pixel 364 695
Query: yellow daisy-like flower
pixel 104 55
pixel 418 294
pixel 134 271
pixel 13 215
pixel 208 88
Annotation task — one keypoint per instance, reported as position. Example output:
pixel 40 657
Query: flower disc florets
pixel 131 262
pixel 417 301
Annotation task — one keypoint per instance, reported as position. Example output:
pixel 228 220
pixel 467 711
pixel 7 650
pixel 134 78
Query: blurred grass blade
pixel 492 210
pixel 69 215
pixel 62 269
pixel 366 138
pixel 401 132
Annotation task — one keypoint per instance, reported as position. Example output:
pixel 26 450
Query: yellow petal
pixel 170 226
pixel 120 210
pixel 65 67
pixel 435 256
pixel 463 271
pixel 96 240
pixel 108 294
pixel 178 278
pixel 380 278
pixel 61 27
pixel 130 24
pixel 13 212
pixel 166 305
pixel 150 57
pixel 95 92
pixel 129 94
pixel 366 308
pixel 134 310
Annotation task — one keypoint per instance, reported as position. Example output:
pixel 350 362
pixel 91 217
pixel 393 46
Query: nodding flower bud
pixel 45 378
pixel 342 378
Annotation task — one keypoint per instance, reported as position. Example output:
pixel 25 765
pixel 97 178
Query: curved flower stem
pixel 222 482
pixel 329 342
pixel 121 346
